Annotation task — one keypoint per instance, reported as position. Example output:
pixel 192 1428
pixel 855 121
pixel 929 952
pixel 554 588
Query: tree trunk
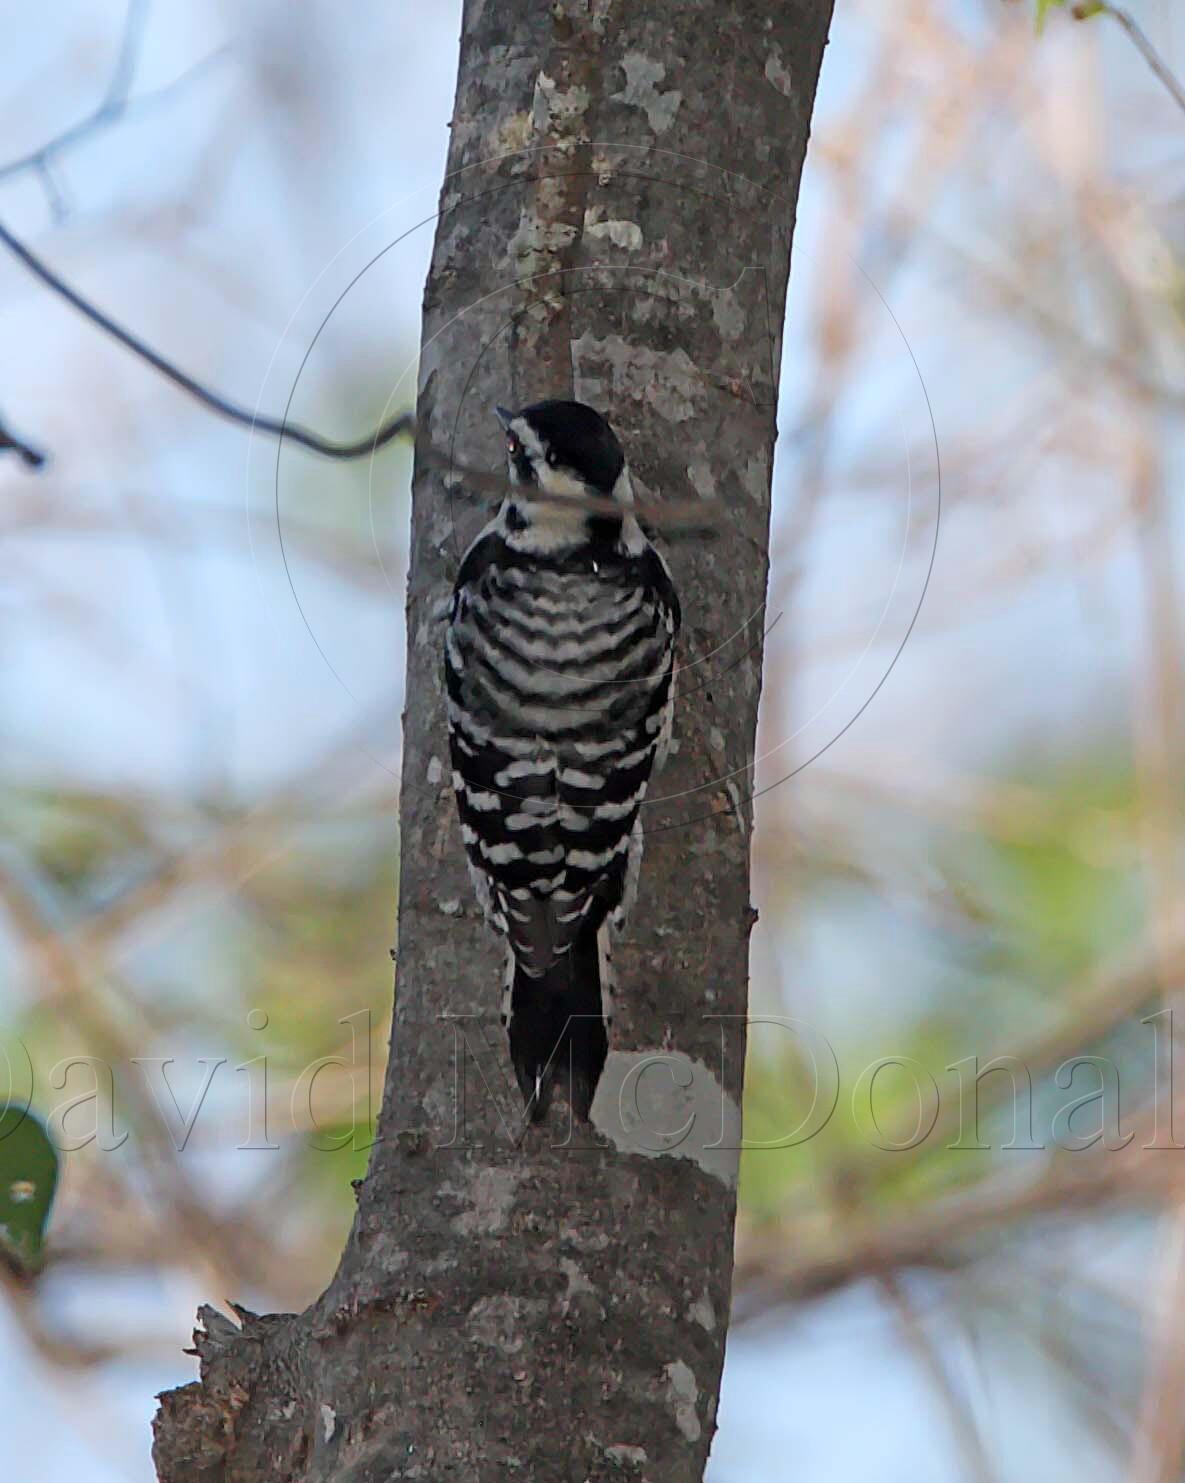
pixel 551 1303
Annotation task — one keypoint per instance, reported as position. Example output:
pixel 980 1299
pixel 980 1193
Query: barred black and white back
pixel 559 670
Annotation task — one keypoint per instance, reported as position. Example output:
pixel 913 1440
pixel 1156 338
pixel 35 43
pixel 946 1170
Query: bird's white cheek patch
pixel 664 1104
pixel 559 481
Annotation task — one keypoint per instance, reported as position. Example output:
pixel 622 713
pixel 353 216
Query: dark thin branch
pixel 111 108
pixel 32 457
pixel 400 426
pixel 686 514
pixel 689 514
pixel 116 105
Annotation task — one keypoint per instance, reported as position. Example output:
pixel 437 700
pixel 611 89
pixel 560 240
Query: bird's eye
pixel 552 458
pixel 513 444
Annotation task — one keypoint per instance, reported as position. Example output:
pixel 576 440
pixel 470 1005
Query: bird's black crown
pixel 576 437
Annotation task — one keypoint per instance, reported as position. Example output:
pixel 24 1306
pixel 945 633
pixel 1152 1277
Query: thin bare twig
pixel 113 107
pixel 116 104
pixel 400 426
pixel 959 1413
pixel 32 457
pixel 695 513
pixel 688 514
pixel 692 513
pixel 1160 69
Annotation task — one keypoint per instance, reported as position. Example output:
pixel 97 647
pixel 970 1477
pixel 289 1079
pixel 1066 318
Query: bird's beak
pixel 503 416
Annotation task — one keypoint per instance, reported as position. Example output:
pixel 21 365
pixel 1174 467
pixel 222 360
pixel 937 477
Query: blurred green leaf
pixel 28 1179
pixel 1068 895
pixel 88 845
pixel 1081 12
pixel 1043 9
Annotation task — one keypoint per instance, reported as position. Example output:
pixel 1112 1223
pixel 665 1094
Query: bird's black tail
pixel 557 1030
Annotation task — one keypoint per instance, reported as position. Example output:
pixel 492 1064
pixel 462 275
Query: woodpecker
pixel 559 674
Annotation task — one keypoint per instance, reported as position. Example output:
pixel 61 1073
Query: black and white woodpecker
pixel 559 672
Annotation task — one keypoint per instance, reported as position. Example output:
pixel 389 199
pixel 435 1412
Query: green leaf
pixel 1043 9
pixel 1081 12
pixel 28 1179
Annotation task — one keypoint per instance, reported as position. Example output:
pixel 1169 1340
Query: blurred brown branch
pixel 780 1266
pixel 958 1410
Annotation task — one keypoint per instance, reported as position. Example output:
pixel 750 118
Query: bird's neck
pixel 554 516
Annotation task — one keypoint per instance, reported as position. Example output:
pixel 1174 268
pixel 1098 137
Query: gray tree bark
pixel 551 1302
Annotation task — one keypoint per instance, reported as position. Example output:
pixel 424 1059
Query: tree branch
pixel 32 457
pixel 113 107
pixel 696 514
pixel 401 426
pixel 116 105
pixel 1139 38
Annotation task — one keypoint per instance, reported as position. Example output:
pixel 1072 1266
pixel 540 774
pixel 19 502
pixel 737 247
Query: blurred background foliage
pixel 204 640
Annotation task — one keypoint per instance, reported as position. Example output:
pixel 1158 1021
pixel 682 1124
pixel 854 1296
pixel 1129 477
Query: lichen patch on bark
pixel 664 1104
pixel 642 76
pixel 684 1393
